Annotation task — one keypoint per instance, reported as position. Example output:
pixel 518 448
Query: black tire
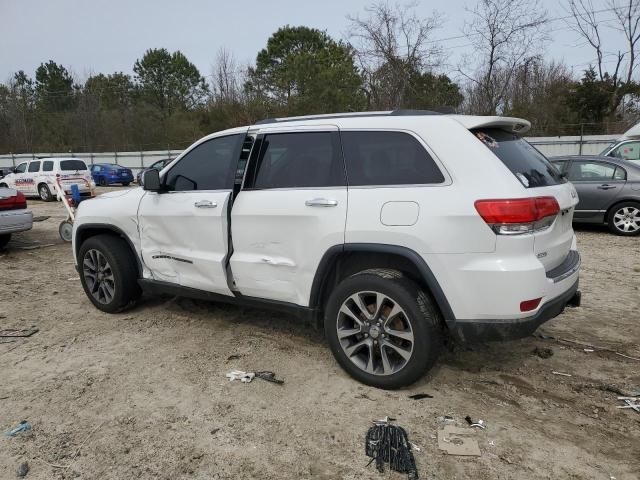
pixel 4 185
pixel 44 193
pixel 102 182
pixel 421 313
pixel 621 209
pixel 123 266
pixel 5 238
pixel 126 184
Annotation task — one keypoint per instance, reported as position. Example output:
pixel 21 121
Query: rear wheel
pixel 44 192
pixel 624 219
pixel 4 239
pixel 383 329
pixel 108 273
pixel 4 185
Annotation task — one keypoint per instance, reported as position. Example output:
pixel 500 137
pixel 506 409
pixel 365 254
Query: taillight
pixel 529 305
pixel 15 202
pixel 518 215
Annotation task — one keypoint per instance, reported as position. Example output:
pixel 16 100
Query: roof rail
pixel 329 116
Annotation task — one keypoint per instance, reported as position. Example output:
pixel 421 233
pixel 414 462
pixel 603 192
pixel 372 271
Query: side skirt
pixel 155 287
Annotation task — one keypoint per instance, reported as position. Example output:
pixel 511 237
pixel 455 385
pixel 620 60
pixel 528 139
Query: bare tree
pixel 392 43
pixel 628 17
pixel 504 34
pixel 228 77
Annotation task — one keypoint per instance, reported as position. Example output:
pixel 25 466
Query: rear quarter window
pixel 529 166
pixel 68 165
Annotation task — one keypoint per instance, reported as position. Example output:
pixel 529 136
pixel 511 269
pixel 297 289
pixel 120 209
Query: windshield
pixel 528 165
pixel 72 165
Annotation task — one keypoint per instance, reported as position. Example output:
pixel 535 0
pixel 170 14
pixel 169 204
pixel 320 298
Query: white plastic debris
pixel 244 377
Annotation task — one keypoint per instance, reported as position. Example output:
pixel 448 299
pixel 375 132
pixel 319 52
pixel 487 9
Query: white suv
pixel 37 177
pixel 396 228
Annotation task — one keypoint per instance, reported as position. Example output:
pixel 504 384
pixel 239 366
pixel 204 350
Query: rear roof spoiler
pixel 509 124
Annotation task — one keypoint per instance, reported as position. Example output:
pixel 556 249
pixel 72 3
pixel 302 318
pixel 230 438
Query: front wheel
pixel 126 184
pixel 102 182
pixel 624 219
pixel 383 329
pixel 108 273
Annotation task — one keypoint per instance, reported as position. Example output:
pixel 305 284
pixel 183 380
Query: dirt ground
pixel 143 394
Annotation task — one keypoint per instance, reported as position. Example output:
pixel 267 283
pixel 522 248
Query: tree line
pixel 391 59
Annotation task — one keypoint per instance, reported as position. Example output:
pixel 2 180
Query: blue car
pixel 108 173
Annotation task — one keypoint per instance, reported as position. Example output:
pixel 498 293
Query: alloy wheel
pixel 98 276
pixel 375 333
pixel 627 219
pixel 44 193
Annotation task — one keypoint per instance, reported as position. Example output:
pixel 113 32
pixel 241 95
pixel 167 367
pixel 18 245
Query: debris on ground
pixel 630 402
pixel 478 424
pixel 22 427
pixel 12 332
pixel 420 396
pixel 247 377
pixel 543 352
pixel 562 373
pixel 387 443
pixel 40 218
pixel 23 469
pixel 446 419
pixel 458 441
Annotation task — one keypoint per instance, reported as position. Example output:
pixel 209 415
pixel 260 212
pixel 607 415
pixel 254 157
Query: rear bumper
pixel 472 331
pixel 13 221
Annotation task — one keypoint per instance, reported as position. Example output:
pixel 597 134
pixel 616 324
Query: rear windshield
pixel 525 162
pixel 68 165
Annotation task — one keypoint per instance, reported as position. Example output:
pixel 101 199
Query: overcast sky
pixel 104 36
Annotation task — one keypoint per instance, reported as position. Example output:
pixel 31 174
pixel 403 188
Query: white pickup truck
pixel 393 228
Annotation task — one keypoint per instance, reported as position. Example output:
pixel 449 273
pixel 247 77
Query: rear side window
pixel 34 167
pixel 387 158
pixel 525 162
pixel 298 160
pixel 47 166
pixel 72 165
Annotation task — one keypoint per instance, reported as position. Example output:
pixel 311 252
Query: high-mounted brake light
pixel 15 202
pixel 518 215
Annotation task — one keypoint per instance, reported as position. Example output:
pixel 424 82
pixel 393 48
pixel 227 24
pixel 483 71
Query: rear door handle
pixel 205 204
pixel 321 202
pixel 606 187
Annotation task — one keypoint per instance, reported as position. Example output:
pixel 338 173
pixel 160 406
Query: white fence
pixel 550 146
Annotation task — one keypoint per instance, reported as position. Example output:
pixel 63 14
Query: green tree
pixel 590 99
pixel 430 91
pixel 54 87
pixel 112 92
pixel 303 70
pixel 169 81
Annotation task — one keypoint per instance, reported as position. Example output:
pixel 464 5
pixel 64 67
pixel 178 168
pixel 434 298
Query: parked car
pixel 627 148
pixel 37 178
pixel 108 173
pixel 608 189
pixel 14 214
pixel 159 165
pixel 396 228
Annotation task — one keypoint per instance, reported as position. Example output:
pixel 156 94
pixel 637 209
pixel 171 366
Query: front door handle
pixel 321 202
pixel 205 204
pixel 606 187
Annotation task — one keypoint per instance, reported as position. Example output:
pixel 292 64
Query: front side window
pixel 34 167
pixel 597 171
pixel 387 158
pixel 528 165
pixel 21 168
pixel 47 166
pixel 628 151
pixel 209 166
pixel 297 160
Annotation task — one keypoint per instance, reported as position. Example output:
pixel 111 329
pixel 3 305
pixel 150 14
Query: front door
pixel 184 231
pixel 291 210
pixel 20 182
pixel 597 184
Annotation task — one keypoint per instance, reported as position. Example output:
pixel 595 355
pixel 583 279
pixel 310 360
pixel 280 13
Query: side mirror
pixel 151 180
